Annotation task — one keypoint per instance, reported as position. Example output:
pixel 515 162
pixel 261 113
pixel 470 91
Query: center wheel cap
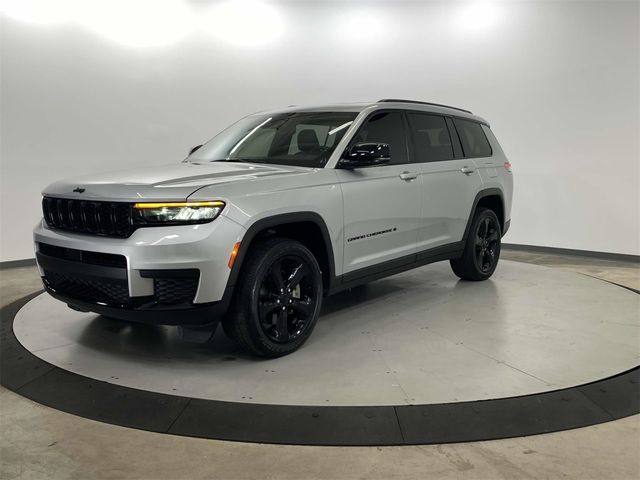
pixel 284 299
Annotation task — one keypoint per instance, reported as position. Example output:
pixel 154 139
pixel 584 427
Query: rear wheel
pixel 278 299
pixel 482 249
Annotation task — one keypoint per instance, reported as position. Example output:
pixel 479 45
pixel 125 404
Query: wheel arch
pixel 492 198
pixel 309 228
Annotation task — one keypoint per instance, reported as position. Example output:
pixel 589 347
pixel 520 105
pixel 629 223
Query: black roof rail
pixel 399 100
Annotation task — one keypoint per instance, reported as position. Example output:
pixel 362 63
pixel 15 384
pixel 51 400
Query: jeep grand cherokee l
pixel 255 226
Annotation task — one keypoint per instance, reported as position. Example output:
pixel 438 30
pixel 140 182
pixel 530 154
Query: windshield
pixel 303 139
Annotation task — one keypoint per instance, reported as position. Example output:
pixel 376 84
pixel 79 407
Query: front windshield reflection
pixel 304 139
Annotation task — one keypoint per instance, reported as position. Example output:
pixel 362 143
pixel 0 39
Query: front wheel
pixel 278 299
pixel 482 249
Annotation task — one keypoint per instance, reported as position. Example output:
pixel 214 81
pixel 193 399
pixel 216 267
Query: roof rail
pixel 399 100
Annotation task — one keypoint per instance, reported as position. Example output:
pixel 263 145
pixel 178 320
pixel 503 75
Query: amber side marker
pixel 179 204
pixel 234 254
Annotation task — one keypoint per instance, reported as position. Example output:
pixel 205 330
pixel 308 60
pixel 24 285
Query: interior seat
pixel 308 141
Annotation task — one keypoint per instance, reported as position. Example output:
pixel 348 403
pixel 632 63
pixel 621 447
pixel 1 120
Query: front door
pixel 381 204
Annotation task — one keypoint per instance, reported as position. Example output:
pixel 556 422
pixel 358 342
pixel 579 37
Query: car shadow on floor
pixel 165 343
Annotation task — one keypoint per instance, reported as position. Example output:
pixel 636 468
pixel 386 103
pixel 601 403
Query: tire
pixel 258 322
pixel 482 249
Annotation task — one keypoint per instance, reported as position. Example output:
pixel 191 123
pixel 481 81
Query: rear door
pixel 450 181
pixel 382 203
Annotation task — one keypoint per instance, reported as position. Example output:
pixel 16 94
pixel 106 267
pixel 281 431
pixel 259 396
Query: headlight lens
pixel 177 212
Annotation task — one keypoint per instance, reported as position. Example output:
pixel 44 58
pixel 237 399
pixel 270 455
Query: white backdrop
pixel 127 84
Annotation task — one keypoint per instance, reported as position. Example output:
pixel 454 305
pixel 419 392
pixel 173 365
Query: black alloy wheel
pixel 487 244
pixel 482 248
pixel 277 300
pixel 287 299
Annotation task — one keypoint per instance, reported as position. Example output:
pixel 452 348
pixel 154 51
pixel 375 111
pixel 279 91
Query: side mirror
pixel 193 149
pixel 365 155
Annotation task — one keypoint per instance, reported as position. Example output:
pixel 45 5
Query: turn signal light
pixel 507 166
pixel 234 254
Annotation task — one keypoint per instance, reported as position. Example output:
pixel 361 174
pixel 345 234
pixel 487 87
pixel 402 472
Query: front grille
pixel 83 256
pixel 98 218
pixel 171 291
pixel 105 290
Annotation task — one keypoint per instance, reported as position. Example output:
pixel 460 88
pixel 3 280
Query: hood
pixel 173 182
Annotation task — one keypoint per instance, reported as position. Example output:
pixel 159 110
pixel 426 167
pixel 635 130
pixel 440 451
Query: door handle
pixel 408 176
pixel 467 170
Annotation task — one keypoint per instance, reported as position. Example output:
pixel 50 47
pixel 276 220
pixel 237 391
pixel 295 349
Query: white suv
pixel 255 226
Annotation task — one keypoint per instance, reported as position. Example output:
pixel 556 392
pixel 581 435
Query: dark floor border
pixel 618 257
pixel 27 375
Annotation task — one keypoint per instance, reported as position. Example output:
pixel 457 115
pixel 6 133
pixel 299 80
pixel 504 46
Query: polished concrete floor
pixel 420 337
pixel 38 442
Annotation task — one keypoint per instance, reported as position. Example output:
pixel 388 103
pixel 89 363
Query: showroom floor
pixel 37 441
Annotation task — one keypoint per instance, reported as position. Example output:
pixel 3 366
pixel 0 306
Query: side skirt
pixel 395 266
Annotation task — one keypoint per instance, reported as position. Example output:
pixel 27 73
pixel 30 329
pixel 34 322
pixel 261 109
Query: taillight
pixel 507 166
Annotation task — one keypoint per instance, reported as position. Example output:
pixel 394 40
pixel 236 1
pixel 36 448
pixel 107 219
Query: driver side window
pixel 386 127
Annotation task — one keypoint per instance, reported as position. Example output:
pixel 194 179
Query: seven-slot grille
pixel 98 218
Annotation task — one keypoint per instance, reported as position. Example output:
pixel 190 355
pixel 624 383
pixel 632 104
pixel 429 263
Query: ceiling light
pixel 479 15
pixel 243 22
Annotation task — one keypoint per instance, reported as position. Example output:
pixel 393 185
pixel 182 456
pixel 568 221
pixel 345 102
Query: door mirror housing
pixel 193 149
pixel 365 155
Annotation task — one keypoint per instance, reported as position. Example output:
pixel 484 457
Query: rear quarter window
pixel 474 141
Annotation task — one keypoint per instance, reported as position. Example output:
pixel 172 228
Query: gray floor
pixel 38 442
pixel 415 338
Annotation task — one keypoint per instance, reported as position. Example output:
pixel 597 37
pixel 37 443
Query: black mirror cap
pixel 365 155
pixel 193 149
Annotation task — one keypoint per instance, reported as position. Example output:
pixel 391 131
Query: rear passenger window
pixel 431 140
pixel 385 127
pixel 474 141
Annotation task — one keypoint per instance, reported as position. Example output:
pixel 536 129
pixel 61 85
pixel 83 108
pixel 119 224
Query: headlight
pixel 176 212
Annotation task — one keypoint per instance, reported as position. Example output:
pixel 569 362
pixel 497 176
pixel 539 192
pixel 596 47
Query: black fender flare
pixel 275 221
pixel 487 192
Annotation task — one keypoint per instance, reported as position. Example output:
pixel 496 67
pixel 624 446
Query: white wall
pixel 559 82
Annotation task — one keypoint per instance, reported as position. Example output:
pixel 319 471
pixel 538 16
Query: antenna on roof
pixel 399 100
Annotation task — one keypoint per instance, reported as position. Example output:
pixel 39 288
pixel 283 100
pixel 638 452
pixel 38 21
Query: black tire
pixel 277 271
pixel 482 249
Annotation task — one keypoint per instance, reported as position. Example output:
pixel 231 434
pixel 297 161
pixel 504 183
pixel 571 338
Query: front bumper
pixel 186 315
pixel 162 275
